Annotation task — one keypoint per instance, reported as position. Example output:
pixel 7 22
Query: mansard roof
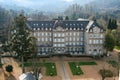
pixel 54 24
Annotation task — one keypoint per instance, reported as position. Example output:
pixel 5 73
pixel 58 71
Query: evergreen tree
pixel 66 18
pixel 21 43
pixel 109 24
pixel 109 42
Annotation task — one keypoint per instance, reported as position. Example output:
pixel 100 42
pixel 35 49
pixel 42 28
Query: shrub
pixel 106 73
pixel 87 63
pixel 9 68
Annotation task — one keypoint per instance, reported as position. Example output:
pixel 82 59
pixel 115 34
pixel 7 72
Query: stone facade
pixel 83 37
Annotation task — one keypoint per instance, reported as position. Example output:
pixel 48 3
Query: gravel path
pixel 64 71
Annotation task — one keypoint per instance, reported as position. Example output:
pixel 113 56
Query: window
pixel 90 35
pixel 63 35
pixel 74 39
pixel 42 34
pixel 90 41
pixel 81 38
pixel 70 28
pixel 77 39
pixel 81 43
pixel 70 39
pixel 55 34
pixel 94 41
pixel 91 30
pixel 58 40
pixel 101 41
pixel 101 35
pixel 46 29
pixel 34 34
pixel 38 28
pixel 55 40
pixel 101 30
pixel 97 42
pixel 46 34
pixel 42 39
pixel 58 34
pixel 74 33
pixel 38 34
pixel 46 39
pixel 78 33
pixel 50 39
pixel 50 34
pixel 34 29
pixel 38 39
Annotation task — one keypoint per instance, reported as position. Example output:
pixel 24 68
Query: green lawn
pixel 75 68
pixel 117 47
pixel 50 67
pixel 87 63
pixel 113 63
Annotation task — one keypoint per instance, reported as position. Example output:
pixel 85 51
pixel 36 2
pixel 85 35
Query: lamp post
pixel 0 54
pixel 119 64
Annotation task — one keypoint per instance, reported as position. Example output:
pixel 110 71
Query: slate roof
pixel 54 24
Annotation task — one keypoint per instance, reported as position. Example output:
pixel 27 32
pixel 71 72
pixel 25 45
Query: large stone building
pixel 60 37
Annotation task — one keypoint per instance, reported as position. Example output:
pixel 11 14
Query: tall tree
pixel 21 43
pixel 109 42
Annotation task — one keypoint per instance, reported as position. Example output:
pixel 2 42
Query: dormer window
pixel 42 24
pixel 66 28
pixel 34 29
pixel 101 30
pixel 74 24
pixel 91 30
pixel 66 24
pixel 74 29
pixel 38 28
pixel 81 28
pixel 37 24
pixel 81 24
pixel 46 29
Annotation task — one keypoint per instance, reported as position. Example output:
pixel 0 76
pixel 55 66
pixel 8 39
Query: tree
pixel 112 24
pixel 66 18
pixel 21 43
pixel 9 68
pixel 109 42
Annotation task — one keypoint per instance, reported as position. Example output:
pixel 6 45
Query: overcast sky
pixel 46 4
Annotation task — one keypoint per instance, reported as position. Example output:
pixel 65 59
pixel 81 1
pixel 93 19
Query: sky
pixel 46 4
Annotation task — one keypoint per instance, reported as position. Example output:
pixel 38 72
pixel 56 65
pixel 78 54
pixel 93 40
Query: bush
pixel 106 73
pixel 87 63
pixel 9 68
pixel 113 63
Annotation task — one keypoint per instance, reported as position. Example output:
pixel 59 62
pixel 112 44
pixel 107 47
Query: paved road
pixel 64 72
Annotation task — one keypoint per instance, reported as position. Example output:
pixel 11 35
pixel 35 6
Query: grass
pixel 75 69
pixel 117 47
pixel 87 63
pixel 50 67
pixel 113 63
